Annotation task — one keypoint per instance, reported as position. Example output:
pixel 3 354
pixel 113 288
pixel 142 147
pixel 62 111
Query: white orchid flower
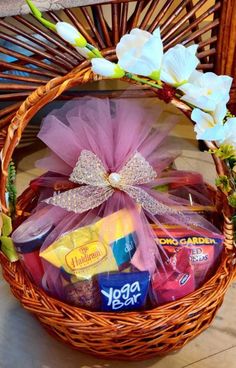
pixel 220 112
pixel 207 127
pixel 70 34
pixel 206 90
pixel 229 136
pixel 141 52
pixel 178 64
pixel 106 68
pixel 210 125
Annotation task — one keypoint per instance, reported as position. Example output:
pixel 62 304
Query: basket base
pixel 124 336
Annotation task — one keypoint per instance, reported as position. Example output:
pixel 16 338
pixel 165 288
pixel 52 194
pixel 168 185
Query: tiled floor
pixel 23 342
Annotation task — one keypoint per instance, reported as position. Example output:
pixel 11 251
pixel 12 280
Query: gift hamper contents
pixel 116 227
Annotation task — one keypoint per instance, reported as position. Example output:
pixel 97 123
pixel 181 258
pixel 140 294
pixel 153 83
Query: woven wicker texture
pixel 134 335
pixel 131 335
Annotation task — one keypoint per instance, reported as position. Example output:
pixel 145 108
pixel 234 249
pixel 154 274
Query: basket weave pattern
pixel 129 335
pixel 133 335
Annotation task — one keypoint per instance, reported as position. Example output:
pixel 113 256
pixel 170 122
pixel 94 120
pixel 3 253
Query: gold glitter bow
pixel 100 185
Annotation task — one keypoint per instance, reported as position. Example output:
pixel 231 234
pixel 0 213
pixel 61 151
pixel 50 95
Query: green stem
pixel 95 51
pixel 38 15
pixel 141 80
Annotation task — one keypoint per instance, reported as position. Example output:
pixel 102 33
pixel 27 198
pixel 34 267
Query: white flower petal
pixel 200 101
pixel 231 124
pixel 226 82
pixel 128 43
pixel 213 134
pixel 202 118
pixel 209 79
pixel 157 32
pixel 178 64
pixel 220 112
pixel 190 89
pixel 195 76
pixel 140 33
pixel 203 121
pixel 140 52
pixel 135 65
pixel 229 132
pixel 153 51
pixel 206 90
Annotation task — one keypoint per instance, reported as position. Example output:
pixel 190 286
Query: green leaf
pixel 6 225
pixel 8 248
pixel 222 182
pixel 225 151
pixel 232 200
pixel 229 115
pixel 10 187
pixel 156 75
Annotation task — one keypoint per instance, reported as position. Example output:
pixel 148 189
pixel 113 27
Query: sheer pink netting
pixel 114 130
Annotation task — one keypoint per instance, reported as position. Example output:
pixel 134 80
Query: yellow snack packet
pixel 86 251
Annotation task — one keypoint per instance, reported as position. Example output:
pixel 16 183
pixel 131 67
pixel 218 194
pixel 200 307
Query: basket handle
pixel 44 94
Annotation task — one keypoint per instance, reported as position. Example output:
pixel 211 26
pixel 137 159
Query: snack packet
pixel 123 291
pixel 85 294
pixel 107 245
pixel 176 282
pixel 204 248
pixel 28 239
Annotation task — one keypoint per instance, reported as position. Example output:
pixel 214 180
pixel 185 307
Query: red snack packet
pixel 176 281
pixel 205 248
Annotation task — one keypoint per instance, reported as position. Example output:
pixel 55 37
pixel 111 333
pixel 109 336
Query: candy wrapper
pixel 110 185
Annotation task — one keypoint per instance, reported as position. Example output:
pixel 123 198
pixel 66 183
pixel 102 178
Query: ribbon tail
pixel 150 204
pixel 79 200
pixel 154 207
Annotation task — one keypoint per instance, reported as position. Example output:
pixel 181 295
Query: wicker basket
pixel 129 335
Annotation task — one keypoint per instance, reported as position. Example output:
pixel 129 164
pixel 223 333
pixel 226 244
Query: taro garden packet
pixel 204 249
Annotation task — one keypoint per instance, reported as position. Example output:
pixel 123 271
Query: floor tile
pixel 224 359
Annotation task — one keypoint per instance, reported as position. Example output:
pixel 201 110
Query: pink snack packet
pixel 176 281
pixel 204 248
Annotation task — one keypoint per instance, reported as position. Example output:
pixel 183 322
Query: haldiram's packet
pixel 108 245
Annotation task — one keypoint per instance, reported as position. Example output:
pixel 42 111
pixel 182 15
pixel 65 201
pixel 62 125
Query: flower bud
pixel 106 68
pixel 70 34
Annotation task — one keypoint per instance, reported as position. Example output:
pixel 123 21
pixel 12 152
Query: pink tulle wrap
pixel 114 130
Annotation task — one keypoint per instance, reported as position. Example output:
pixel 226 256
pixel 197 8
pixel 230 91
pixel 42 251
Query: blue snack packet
pixel 123 291
pixel 123 250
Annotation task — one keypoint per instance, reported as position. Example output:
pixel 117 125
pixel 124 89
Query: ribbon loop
pixel 137 171
pixel 89 170
pixel 81 199
pixel 99 185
